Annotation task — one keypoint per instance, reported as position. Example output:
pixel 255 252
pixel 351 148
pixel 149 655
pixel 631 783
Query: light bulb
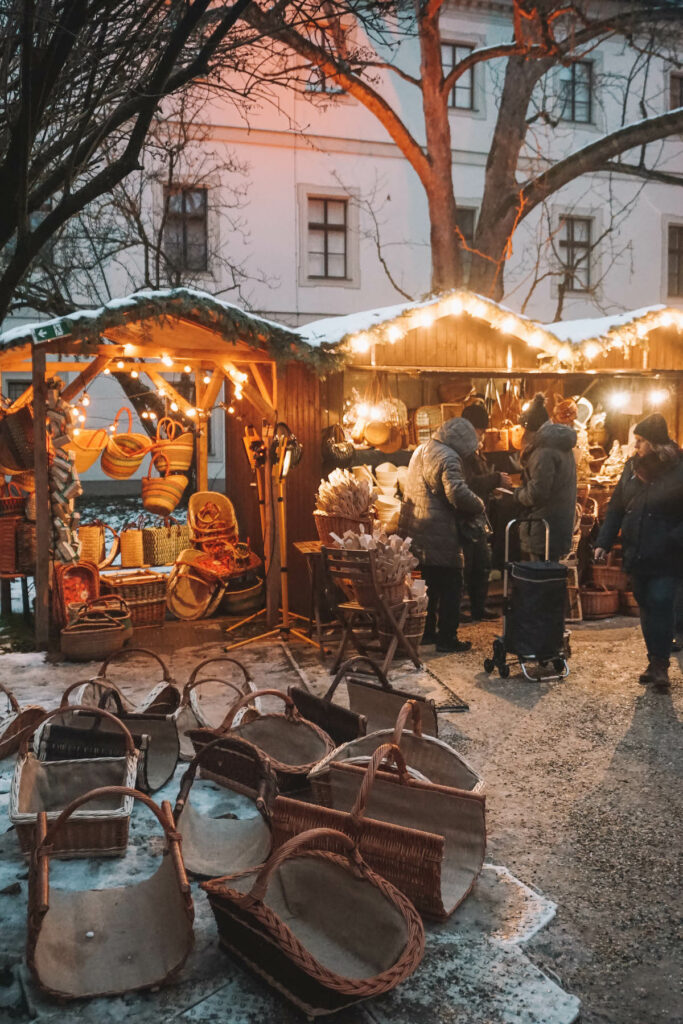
pixel 145 415
pixel 591 350
pixel 394 333
pixel 658 396
pixel 360 343
pixel 77 431
pixel 187 368
pixel 231 409
pixel 112 429
pixel 85 400
pixel 191 412
pixel 120 364
pixel 508 325
pixel 161 393
pixel 107 370
pixel 207 378
pixel 618 399
pixel 134 374
pixel 454 307
pixel 128 350
pixel 174 406
pixel 238 394
pixel 81 418
pixel 166 360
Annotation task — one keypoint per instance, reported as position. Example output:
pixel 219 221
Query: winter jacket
pixel 650 516
pixel 548 491
pixel 479 477
pixel 435 494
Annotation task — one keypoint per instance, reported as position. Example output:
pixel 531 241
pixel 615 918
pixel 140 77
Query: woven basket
pixel 92 538
pixel 11 500
pixel 177 447
pixel 163 544
pixel 142 931
pixel 351 935
pixel 597 602
pixel 91 641
pixel 413 629
pixel 26 547
pixel 161 494
pixel 8 544
pixel 15 721
pixel 132 549
pixel 392 593
pixel 16 438
pixel 190 713
pixel 51 785
pixel 107 607
pixel 144 592
pixel 87 446
pixel 628 604
pixel 612 577
pixel 74 584
pixel 124 452
pixel 326 525
pixel 428 840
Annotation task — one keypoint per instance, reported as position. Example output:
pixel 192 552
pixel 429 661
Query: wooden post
pixel 271 544
pixel 201 447
pixel 43 518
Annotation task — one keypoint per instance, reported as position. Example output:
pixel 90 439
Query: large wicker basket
pixel 611 576
pixel 597 602
pixel 628 604
pixel 144 592
pixel 326 525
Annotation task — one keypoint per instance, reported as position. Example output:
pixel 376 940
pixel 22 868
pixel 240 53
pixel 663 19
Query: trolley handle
pixel 507 536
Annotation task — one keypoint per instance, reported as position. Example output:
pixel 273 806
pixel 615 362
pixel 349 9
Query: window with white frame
pixel 186 228
pixel 327 238
pixel 675 90
pixel 461 96
pixel 575 252
pixel 576 92
pixel 675 261
pixel 16 388
pixel 331 38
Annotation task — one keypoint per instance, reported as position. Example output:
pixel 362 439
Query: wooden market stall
pixel 228 352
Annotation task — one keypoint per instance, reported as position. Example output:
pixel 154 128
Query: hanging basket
pixel 214 845
pixel 104 942
pixel 161 495
pixel 337 451
pixel 16 440
pixel 176 447
pixel 123 454
pixel 11 500
pixel 87 446
pixel 325 930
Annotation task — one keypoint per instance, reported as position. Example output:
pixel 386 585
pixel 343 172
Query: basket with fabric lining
pixel 99 942
pixel 191 715
pixel 50 786
pixel 322 928
pixel 163 698
pixel 428 840
pixel 74 584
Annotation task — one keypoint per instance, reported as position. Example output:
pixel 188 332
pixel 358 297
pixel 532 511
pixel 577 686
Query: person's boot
pixel 660 673
pixel 646 676
pixel 451 645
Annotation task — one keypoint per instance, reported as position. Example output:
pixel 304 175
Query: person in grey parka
pixel 435 496
pixel 548 488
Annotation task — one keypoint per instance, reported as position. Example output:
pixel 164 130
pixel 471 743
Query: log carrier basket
pixel 50 786
pixel 15 721
pixel 214 845
pixel 322 928
pixel 428 840
pixel 162 699
pixel 190 714
pixel 103 942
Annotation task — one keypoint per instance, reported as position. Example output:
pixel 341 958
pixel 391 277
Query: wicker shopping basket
pixel 426 839
pixel 219 842
pixel 193 713
pixel 123 453
pixel 99 942
pixel 50 786
pixel 326 525
pixel 599 602
pixel 175 444
pixel 161 494
pixel 162 544
pixel 15 721
pixel 323 929
pixel 144 592
pixel 8 544
pixel 163 698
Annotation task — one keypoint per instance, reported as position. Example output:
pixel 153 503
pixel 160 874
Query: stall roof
pixel 170 307
pixel 356 331
pixel 594 335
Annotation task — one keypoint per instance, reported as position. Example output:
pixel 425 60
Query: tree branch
pixel 643 172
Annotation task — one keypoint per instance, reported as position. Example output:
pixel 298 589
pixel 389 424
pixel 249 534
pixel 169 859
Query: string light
pixel 161 392
pixel 112 429
pixel 134 374
pixel 128 350
pixel 77 431
pixel 174 406
pixel 394 333
pixel 81 418
pixel 191 412
pixel 145 415
pixel 187 368
pixel 508 325
pixel 591 350
pixel 658 396
pixel 453 306
pixel 618 399
pixel 85 400
pixel 152 415
pixel 107 370
pixel 360 343
pixel 166 360
pixel 120 364
pixel 207 378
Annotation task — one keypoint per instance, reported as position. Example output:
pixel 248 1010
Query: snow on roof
pixel 594 328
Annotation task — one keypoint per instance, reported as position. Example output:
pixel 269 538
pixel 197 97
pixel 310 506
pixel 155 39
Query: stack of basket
pixel 600 598
pixel 144 592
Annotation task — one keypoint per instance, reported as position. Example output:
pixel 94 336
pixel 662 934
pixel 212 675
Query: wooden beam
pixel 273 381
pixel 43 517
pixel 84 377
pixel 161 382
pixel 209 396
pixel 261 384
pixel 263 407
pixel 201 437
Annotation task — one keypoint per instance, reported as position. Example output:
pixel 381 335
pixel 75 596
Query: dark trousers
pixel 477 566
pixel 656 597
pixel 444 591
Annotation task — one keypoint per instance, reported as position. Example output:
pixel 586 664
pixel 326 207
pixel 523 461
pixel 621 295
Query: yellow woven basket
pixel 177 446
pixel 87 446
pixel 161 494
pixel 124 452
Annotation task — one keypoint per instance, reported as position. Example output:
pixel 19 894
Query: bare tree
pixel 80 84
pixel 358 46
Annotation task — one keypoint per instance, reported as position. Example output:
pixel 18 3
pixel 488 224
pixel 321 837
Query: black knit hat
pixel 477 415
pixel 653 429
pixel 536 415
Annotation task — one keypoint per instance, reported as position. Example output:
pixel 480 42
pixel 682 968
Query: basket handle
pixel 117 655
pixel 163 471
pixel 387 751
pixel 45 836
pixel 105 602
pixel 292 848
pixel 124 408
pixel 10 490
pixel 172 429
pixel 267 788
pixel 64 702
pixel 410 708
pixel 13 702
pixel 290 709
pixel 185 699
pixel 347 667
pixel 130 742
pixel 214 661
pixel 94 437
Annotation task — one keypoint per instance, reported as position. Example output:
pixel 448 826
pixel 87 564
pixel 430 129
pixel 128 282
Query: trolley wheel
pixel 504 671
pixel 559 664
pixel 489 665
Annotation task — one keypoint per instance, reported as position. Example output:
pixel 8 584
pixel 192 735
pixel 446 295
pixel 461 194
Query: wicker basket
pixel 628 604
pixel 142 931
pixel 11 500
pixel 8 544
pixel 343 935
pixel 413 628
pixel 177 447
pixel 597 602
pixel 15 721
pixel 392 593
pixel 92 538
pixel 326 525
pixel 612 577
pixel 51 785
pixel 26 547
pixel 124 453
pixel 132 549
pixel 92 641
pixel 74 584
pixel 162 544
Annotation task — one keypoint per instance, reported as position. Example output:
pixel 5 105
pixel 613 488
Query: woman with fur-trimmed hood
pixel 647 506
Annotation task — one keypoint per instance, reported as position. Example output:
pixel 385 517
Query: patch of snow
pixel 594 328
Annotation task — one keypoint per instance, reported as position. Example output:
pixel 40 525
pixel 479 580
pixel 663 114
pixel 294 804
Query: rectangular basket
pixel 135 586
pixel 8 544
pixel 163 544
pixel 147 613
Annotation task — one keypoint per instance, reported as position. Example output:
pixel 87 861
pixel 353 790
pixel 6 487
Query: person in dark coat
pixel 475 545
pixel 435 496
pixel 647 506
pixel 548 488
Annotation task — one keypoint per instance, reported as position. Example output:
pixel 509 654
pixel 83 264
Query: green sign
pixel 50 331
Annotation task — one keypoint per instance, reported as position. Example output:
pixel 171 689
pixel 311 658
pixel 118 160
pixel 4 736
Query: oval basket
pixel 612 577
pixel 326 525
pixel 598 602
